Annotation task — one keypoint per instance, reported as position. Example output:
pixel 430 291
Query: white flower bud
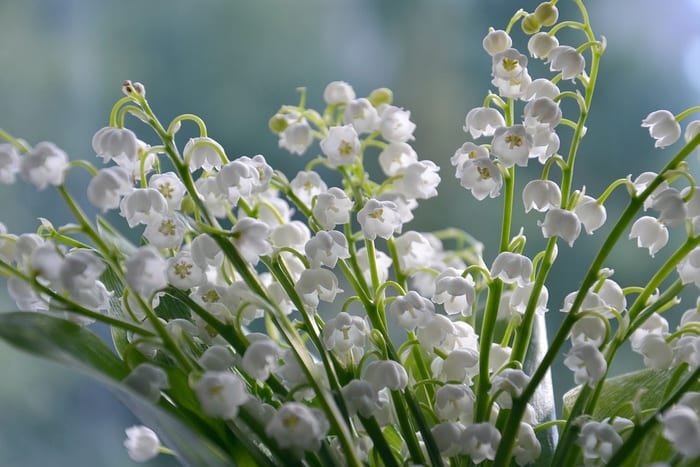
pixel 142 443
pixel 146 271
pixel 338 92
pixel 396 125
pixel 361 114
pixel 483 121
pixel 496 41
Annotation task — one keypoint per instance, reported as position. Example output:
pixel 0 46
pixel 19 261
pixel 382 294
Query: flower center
pixel 484 172
pixel 514 141
pixel 166 190
pixel 509 64
pixel 345 148
pixel 183 269
pixel 167 227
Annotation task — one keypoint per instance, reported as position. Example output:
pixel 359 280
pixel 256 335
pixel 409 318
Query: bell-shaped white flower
pixel 508 65
pixel 527 447
pixel 567 60
pixel 165 231
pixel 650 233
pixel 396 125
pixel 455 402
pixel 691 130
pixel 237 180
pixel 663 127
pixel 217 358
pixel 345 335
pixel 261 358
pixel 80 269
pixel 298 427
pixel 332 208
pixel 411 310
pixel 325 248
pixel 686 349
pixel 386 374
pixel 360 397
pixel 307 185
pixel 143 206
pixel 183 272
pixel 589 328
pixel 541 113
pixel 148 380
pixel 671 207
pixel 292 234
pixel 414 250
pixel 418 180
pixel 379 219
pixel 45 164
pixel 221 393
pixel 395 157
pixel 512 268
pixel 120 144
pixel 317 284
pixel 9 163
pixel 689 268
pixel 521 296
pixel 591 213
pixel 203 153
pixel 338 92
pixel 171 187
pixel 496 41
pixel 341 146
pixel 448 438
pixel 511 145
pixel 508 385
pixel 587 363
pixel 461 365
pixel 483 121
pixel 297 137
pixel 514 87
pixel 468 151
pixel 540 44
pixel 541 87
pixel 561 223
pixel 454 292
pixel 599 442
pixel 251 237
pixel 146 271
pixel 46 261
pixel 361 114
pixel 481 177
pixel 480 442
pixel 106 189
pixel 657 353
pixel 141 443
pixel 541 195
pixel 382 261
pixel 681 426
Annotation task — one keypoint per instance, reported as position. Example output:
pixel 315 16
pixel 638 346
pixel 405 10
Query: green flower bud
pixel 547 14
pixel 187 206
pixel 278 123
pixel 530 24
pixel 381 96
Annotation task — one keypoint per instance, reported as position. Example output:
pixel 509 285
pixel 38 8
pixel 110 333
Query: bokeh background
pixel 234 63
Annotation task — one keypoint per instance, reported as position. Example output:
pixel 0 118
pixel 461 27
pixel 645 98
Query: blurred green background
pixel 234 63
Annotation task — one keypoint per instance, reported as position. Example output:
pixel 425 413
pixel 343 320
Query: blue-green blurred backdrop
pixel 234 62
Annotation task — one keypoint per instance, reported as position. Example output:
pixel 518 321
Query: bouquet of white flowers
pixel 270 320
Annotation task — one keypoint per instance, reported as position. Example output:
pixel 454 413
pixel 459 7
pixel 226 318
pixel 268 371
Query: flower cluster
pixel 286 320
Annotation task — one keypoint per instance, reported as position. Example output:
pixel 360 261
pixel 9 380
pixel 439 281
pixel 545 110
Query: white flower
pixel 599 441
pixel 689 268
pixel 589 328
pixel 251 237
pixel 261 358
pixel 146 271
pixel 454 292
pixel 119 144
pixel 361 114
pixel 9 163
pixel 296 426
pixel 206 252
pixel 360 397
pixel 561 223
pixel 237 180
pixel 345 335
pixel 341 146
pixel 587 363
pixel 691 130
pixel 297 137
pixel 514 87
pixel 148 380
pixel 527 447
pixel 567 60
pixel 481 177
pixel 508 65
pixel 541 195
pixel 182 271
pixel 480 442
pixel 396 125
pixel 540 44
pixel 681 427
pixel 317 284
pixel 508 385
pixel 496 41
pixel 325 248
pixel 213 198
pixel 483 121
pixel 663 127
pixel 414 250
pixel 307 185
pixel 221 393
pixel 379 219
pixel 338 92
pixel 541 87
pixel 650 233
pixel 217 358
pixel 204 153
pixel 461 365
pixel 411 310
pixel 142 443
pixel 292 234
pixel 512 268
pixel 455 402
pixel 541 113
pixel 44 165
pixel 386 374
pixel 656 351
pixel 24 296
pixel 418 180
pixel 396 156
pixel 80 269
pixel 165 232
pixel 105 190
pixel 511 145
pixel 521 296
pixel 143 206
pixel 591 213
pixel 382 261
pixel 687 350
pixel 672 209
pixel 171 187
pixel 448 438
pixel 466 152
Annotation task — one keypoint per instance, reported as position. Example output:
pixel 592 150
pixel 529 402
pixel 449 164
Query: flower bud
pixel 530 24
pixel 547 14
pixel 497 41
pixel 381 96
pixel 541 44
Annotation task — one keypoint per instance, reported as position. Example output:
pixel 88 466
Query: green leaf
pixel 78 348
